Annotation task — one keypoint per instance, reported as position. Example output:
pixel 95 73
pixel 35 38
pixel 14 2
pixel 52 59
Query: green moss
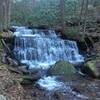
pixel 91 68
pixel 63 68
pixel 91 65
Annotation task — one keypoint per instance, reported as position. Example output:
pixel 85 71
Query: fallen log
pixel 9 53
pixel 6 48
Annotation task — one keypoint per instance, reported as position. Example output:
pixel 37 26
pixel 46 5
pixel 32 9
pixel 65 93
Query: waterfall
pixel 42 48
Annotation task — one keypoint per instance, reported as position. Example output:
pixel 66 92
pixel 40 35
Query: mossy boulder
pixel 29 79
pixel 93 68
pixel 7 34
pixel 63 68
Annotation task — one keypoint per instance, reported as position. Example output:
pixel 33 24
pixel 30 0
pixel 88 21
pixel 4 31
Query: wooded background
pixel 5 14
pixel 51 13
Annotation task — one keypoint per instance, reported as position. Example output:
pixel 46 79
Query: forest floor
pixel 11 88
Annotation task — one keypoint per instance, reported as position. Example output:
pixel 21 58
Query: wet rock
pixel 8 60
pixel 60 95
pixel 57 95
pixel 14 70
pixel 12 62
pixel 7 34
pixel 28 79
pixel 4 58
pixel 24 69
pixel 2 97
pixel 63 68
pixel 93 68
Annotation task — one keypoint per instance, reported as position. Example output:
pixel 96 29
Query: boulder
pixel 92 68
pixel 7 34
pixel 57 95
pixel 23 69
pixel 28 79
pixel 63 68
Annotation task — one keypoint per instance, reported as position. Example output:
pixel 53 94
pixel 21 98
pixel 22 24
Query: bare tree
pixel 62 14
pixel 85 16
pixel 85 22
pixel 5 14
pixel 81 12
pixel 8 12
pixel 32 4
pixel 1 16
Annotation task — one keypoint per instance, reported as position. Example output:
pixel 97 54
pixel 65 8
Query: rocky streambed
pixel 59 81
pixel 76 88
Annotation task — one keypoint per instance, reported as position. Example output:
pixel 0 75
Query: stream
pixel 40 49
pixel 43 48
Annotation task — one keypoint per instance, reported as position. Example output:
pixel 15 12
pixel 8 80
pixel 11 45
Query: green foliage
pixel 70 8
pixel 47 12
pixel 44 12
pixel 72 31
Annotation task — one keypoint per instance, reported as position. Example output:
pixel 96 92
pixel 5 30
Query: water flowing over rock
pixel 42 48
pixel 50 83
pixel 39 49
pixel 63 68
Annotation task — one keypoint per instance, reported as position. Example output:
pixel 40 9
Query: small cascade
pixel 39 49
pixel 42 48
pixel 50 83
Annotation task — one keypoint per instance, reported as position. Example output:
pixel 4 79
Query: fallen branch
pixel 9 52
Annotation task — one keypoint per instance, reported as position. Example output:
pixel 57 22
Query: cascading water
pixel 40 49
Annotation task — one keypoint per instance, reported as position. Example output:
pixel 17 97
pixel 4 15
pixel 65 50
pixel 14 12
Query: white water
pixel 40 49
pixel 50 83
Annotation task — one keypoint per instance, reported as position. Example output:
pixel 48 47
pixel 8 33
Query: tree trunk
pixel 5 14
pixel 1 17
pixel 81 13
pixel 9 13
pixel 32 4
pixel 62 14
pixel 85 16
pixel 85 22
